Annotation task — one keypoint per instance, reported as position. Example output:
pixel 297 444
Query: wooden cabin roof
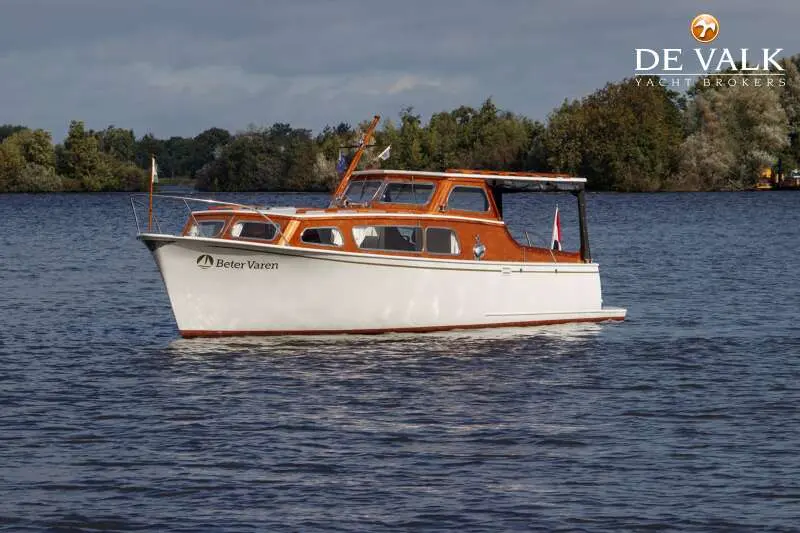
pixel 507 181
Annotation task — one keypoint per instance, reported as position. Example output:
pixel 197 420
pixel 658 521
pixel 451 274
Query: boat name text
pixel 206 261
pixel 250 265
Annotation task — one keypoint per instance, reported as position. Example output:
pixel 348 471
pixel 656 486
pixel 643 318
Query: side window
pixel 407 193
pixel 206 228
pixel 441 241
pixel 395 238
pixel 254 230
pixel 468 199
pixel 324 236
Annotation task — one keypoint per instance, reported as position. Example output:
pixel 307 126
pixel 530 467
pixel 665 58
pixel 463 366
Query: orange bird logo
pixel 704 28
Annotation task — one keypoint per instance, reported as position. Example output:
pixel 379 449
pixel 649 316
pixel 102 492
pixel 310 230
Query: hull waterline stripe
pixel 421 329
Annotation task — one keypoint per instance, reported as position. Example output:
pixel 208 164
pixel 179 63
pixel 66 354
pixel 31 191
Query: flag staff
pixel 152 180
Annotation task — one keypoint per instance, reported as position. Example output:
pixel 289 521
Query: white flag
pixel 153 170
pixel 383 156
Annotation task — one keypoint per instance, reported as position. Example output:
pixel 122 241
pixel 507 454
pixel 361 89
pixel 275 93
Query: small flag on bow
pixel 153 170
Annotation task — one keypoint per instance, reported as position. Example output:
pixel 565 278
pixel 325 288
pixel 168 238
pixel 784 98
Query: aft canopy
pixel 501 182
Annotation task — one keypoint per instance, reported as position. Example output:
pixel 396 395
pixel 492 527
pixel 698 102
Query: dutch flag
pixel 556 231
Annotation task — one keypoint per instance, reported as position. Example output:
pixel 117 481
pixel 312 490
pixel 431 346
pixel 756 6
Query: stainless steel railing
pixel 141 201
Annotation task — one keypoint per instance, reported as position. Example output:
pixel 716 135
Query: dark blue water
pixel 686 417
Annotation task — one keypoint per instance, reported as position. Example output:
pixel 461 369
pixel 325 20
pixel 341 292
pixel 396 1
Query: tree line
pixel 112 159
pixel 633 135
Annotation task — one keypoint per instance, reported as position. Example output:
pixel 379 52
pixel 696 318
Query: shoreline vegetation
pixel 635 135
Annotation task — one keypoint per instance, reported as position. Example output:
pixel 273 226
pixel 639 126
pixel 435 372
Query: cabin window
pixel 323 236
pixel 206 228
pixel 468 199
pixel 265 231
pixel 397 192
pixel 394 238
pixel 441 241
pixel 362 191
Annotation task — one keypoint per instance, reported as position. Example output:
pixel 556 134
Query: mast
pixel 356 158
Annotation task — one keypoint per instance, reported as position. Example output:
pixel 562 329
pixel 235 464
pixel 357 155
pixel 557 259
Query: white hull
pixel 245 288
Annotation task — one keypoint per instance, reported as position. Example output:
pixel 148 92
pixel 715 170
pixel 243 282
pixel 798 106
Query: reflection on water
pixel 458 343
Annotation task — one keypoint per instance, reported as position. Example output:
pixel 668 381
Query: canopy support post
pixel 497 195
pixel 586 254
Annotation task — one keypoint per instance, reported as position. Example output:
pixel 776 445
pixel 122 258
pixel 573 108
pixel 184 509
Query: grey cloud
pixel 175 67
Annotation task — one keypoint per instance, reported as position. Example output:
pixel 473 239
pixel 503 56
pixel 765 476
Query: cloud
pixel 177 67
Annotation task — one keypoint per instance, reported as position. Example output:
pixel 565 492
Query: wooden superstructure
pixel 428 203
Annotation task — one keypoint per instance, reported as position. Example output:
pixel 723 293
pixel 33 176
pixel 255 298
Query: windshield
pixel 407 193
pixel 362 191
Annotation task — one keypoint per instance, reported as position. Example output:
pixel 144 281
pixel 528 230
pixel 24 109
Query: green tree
pixel 11 165
pixel 36 146
pixel 566 137
pixel 442 142
pixel 206 147
pixel 502 139
pixel 411 141
pixel 737 131
pixel 790 101
pixel 7 130
pixel 176 157
pixel 82 162
pixel 27 163
pixel 624 136
pixel 707 153
pixel 146 147
pixel 301 158
pixel 250 162
pixel 536 156
pixel 118 143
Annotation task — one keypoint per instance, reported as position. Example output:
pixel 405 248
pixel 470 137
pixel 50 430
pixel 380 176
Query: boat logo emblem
pixel 479 250
pixel 704 28
pixel 205 261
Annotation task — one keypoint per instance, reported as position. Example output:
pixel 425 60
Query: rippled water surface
pixel 686 417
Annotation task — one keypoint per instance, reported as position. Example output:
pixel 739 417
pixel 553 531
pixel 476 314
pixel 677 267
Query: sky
pixel 178 67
